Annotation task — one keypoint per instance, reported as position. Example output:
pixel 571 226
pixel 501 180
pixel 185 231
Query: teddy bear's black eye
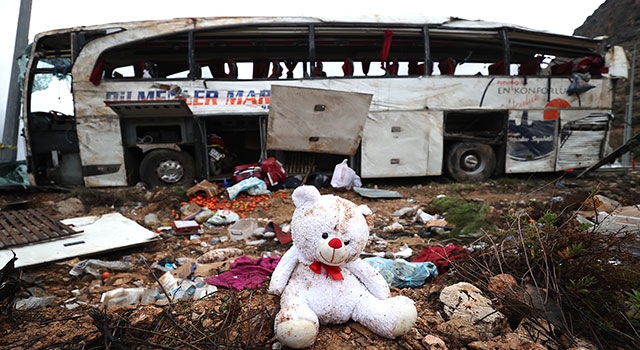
pixel 346 242
pixel 325 235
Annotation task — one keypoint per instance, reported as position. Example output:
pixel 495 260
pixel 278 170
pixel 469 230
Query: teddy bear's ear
pixel 304 195
pixel 367 213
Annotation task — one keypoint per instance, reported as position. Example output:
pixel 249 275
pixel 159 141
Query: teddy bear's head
pixel 327 228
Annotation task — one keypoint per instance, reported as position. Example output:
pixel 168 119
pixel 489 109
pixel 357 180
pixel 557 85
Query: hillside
pixel 619 21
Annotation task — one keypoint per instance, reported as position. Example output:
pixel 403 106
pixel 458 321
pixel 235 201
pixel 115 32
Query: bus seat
pixel 590 64
pixel 291 65
pixel 564 68
pixel 392 68
pixel 531 67
pixel 318 70
pixel 233 70
pixel 366 64
pixel 260 69
pixel 416 69
pixel 347 67
pixel 276 70
pixel 497 68
pixel 447 66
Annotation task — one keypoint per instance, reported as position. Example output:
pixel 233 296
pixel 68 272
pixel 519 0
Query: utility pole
pixel 12 114
pixel 626 158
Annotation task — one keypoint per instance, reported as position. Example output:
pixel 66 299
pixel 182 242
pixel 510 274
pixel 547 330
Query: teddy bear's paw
pixel 406 320
pixel 297 333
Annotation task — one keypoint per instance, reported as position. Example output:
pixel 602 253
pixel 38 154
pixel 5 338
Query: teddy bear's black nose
pixel 335 243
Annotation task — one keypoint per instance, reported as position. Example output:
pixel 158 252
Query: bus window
pixel 164 57
pixel 257 52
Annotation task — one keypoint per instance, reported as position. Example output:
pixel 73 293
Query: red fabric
pixel 245 273
pixel 96 74
pixel 386 46
pixel 440 256
pixel 334 271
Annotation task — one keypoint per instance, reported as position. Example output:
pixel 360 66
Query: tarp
pixel 13 174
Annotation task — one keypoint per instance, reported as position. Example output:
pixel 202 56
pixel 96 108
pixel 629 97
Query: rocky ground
pixel 244 319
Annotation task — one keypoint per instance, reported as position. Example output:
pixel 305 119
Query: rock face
pixel 617 19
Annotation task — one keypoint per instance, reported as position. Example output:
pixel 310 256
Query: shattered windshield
pixel 51 88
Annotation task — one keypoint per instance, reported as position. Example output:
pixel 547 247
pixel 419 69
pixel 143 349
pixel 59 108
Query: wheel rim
pixel 170 171
pixel 470 162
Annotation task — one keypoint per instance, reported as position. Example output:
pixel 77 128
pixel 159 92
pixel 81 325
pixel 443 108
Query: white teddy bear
pixel 322 280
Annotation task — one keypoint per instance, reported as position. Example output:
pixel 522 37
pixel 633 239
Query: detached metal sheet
pixel 316 120
pixel 98 234
pixel 402 143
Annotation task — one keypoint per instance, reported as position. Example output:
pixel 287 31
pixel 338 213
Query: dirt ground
pixel 232 319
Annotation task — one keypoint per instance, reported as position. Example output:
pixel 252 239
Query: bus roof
pixel 431 21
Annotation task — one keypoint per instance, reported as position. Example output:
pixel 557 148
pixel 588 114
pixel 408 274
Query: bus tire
pixel 470 162
pixel 165 167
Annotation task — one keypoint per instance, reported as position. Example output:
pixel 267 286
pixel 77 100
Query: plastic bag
pixel 345 177
pixel 252 185
pixel 401 273
pixel 222 217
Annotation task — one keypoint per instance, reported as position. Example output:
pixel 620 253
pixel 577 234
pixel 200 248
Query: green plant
pixel 582 285
pixel 467 217
pixel 572 251
pixel 633 299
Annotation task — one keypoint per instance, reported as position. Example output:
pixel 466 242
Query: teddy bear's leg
pixel 296 325
pixel 389 318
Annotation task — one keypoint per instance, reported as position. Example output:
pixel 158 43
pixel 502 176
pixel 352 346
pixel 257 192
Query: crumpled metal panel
pixel 315 120
pixel 100 143
pixel 583 142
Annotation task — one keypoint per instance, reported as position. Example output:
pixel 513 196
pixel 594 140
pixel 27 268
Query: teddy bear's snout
pixel 335 243
pixel 332 252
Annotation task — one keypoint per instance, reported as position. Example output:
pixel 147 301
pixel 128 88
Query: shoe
pixel 282 237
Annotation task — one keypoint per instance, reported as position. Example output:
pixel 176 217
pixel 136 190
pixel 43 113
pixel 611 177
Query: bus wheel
pixel 470 162
pixel 164 167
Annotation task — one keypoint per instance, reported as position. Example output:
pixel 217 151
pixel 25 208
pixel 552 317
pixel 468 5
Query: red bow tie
pixel 334 271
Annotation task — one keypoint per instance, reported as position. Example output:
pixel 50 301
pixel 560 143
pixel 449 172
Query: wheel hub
pixel 170 171
pixel 470 162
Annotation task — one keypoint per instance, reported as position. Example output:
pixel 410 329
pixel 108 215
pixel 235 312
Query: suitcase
pixel 245 171
pixel 273 172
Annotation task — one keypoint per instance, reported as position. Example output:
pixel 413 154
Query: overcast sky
pixel 558 16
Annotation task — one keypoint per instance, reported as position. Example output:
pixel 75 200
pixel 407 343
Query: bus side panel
pixel 101 149
pixel 583 138
pixel 531 142
pixel 402 143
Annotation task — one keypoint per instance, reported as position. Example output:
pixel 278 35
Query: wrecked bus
pixel 176 101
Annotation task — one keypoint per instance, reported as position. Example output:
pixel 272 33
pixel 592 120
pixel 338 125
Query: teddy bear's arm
pixel 283 270
pixel 370 278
